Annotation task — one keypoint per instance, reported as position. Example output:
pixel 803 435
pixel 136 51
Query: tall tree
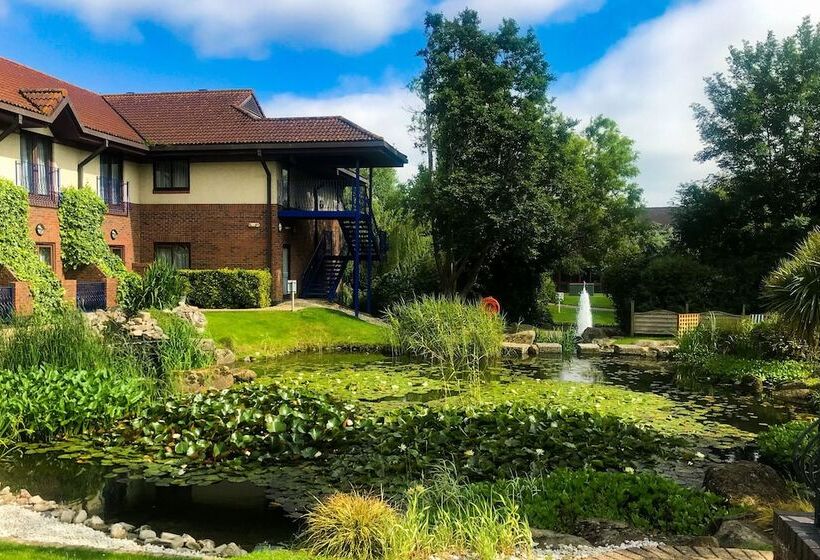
pixel 761 126
pixel 486 104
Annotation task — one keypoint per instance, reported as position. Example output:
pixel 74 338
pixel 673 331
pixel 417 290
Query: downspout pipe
pixel 13 127
pixel 268 217
pixel 90 157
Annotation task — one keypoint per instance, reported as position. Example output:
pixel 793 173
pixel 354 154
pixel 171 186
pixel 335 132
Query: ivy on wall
pixel 18 251
pixel 81 235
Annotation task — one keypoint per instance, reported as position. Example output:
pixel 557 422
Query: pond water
pixel 721 424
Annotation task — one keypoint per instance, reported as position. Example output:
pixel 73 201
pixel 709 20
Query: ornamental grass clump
pixel 351 525
pixel 446 331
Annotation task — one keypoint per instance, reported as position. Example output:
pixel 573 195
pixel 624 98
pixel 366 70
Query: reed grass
pixel 446 331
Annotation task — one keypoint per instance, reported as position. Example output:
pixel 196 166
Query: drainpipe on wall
pixel 90 157
pixel 269 218
pixel 13 127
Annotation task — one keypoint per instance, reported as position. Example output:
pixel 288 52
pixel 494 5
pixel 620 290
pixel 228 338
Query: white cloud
pixel 385 110
pixel 525 12
pixel 247 28
pixel 648 81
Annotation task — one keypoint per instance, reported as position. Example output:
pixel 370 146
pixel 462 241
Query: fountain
pixel 584 318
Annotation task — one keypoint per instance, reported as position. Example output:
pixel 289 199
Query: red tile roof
pixel 224 117
pixel 90 108
pixel 46 100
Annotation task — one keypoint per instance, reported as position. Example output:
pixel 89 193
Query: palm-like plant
pixel 793 288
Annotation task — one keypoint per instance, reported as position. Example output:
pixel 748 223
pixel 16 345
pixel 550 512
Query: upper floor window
pixel 111 183
pixel 172 175
pixel 37 172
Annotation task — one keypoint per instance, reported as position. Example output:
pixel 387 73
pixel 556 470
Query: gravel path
pixel 570 552
pixel 26 526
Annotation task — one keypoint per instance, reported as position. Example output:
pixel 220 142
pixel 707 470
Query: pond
pixel 720 425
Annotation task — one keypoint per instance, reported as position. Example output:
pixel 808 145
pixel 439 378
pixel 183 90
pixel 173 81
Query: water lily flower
pixel 700 455
pixel 402 448
pixel 629 470
pixel 539 452
pixel 469 453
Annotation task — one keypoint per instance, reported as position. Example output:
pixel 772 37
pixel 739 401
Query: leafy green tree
pixel 486 105
pixel 761 126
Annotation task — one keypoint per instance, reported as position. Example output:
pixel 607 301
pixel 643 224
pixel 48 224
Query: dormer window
pixel 172 175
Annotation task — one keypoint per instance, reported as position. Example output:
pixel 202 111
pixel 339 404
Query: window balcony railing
pixel 114 193
pixel 41 180
pixel 332 195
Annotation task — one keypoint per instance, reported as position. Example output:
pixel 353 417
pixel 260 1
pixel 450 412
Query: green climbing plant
pixel 18 252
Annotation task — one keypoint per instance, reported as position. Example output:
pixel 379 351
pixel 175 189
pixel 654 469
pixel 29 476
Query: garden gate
pixel 6 302
pixel 90 296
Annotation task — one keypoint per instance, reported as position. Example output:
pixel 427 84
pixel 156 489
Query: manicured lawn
pixel 13 551
pixel 272 333
pixel 598 300
pixel 567 315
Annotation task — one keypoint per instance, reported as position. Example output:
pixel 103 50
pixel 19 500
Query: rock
pixel 118 531
pixel 146 534
pixel 171 540
pixel 515 350
pixel 229 550
pixel 224 357
pixel 549 348
pixel 67 516
pixel 43 507
pixel 551 539
pixel 603 532
pixel 207 545
pixel 744 479
pixel 207 345
pixel 593 333
pixel 95 522
pixel 144 316
pixel 81 516
pixel 705 541
pixel 665 352
pixel 588 348
pixel 734 534
pixel 631 350
pixel 243 375
pixel 520 337
pixel 249 359
pixel 190 542
pixel 191 314
pixel 34 500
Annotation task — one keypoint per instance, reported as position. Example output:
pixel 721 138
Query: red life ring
pixel 491 304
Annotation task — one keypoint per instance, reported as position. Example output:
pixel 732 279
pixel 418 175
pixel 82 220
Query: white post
pixel 292 290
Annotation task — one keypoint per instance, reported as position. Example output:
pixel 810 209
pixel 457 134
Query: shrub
pixel 774 340
pixel 228 288
pixel 446 331
pixel 352 525
pixel 558 500
pixel 18 252
pixel 545 295
pixel 40 403
pixel 729 369
pixel 161 287
pixel 405 282
pixel 182 349
pixel 777 444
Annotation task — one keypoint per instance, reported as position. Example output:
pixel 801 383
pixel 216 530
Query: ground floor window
pixel 177 255
pixel 119 251
pixel 46 253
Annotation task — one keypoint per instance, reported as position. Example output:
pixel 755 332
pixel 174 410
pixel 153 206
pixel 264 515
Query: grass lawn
pixel 634 339
pixel 13 551
pixel 273 333
pixel 601 301
pixel 567 315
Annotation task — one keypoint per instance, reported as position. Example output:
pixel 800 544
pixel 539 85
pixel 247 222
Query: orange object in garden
pixel 491 304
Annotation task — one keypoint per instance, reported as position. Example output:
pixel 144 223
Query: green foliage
pixel 228 288
pixel 255 423
pixel 352 525
pixel 730 369
pixel 404 282
pixel 41 403
pixel 793 288
pixel 545 295
pixel 777 444
pixel 82 242
pixel 558 500
pixel 182 347
pixel 761 125
pixel 446 331
pixel 18 252
pixel 161 287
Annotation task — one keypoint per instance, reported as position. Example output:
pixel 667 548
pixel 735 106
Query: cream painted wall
pixel 213 183
pixel 9 154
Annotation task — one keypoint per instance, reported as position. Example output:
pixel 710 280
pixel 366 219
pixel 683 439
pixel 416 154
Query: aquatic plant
pixel 446 331
pixel 777 444
pixel 565 336
pixel 182 347
pixel 352 525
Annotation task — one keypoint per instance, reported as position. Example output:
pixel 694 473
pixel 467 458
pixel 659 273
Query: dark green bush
pixel 228 288
pixel 161 287
pixel 405 282
pixel 557 501
pixel 545 295
pixel 776 445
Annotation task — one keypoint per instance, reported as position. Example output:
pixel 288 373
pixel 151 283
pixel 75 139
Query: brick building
pixel 201 178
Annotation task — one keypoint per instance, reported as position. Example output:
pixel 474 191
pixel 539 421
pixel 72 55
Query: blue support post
pixel 357 210
pixel 371 245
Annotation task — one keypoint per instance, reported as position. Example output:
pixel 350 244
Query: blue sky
pixel 638 61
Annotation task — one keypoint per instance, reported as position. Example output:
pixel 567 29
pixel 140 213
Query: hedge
pixel 228 288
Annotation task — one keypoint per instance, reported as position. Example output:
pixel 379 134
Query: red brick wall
pixel 48 217
pixel 125 235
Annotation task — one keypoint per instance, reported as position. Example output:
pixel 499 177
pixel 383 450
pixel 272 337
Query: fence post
pixel 686 309
pixel 631 317
pixel 743 310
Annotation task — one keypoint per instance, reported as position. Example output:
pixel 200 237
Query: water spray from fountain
pixel 584 318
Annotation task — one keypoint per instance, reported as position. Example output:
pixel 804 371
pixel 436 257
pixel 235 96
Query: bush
pixel 350 525
pixel 729 369
pixel 405 282
pixel 182 349
pixel 41 403
pixel 162 287
pixel 777 444
pixel 228 288
pixel 545 295
pixel 557 501
pixel 18 252
pixel 446 331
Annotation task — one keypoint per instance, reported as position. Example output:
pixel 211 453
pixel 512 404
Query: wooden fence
pixel 659 322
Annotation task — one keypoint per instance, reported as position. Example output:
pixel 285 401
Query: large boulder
pixel 734 534
pixel 224 357
pixel 604 532
pixel 515 350
pixel 551 539
pixel 593 333
pixel 521 337
pixel 746 479
pixel 191 314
